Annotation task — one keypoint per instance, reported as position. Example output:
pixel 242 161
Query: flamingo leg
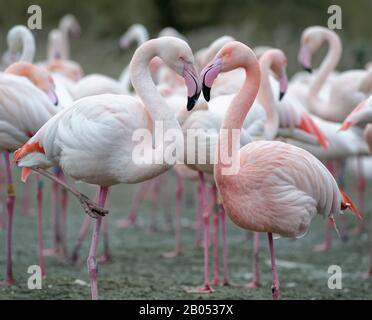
pixel 39 197
pixel 26 209
pixel 82 233
pixel 179 194
pixel 226 273
pixel 275 287
pixel 90 208
pixel 63 224
pixel 198 218
pixel 106 248
pixel 361 190
pixel 216 277
pixel 2 212
pixel 167 213
pixel 327 243
pixel 155 192
pixel 9 280
pixel 255 283
pixel 207 287
pixel 92 261
pixel 54 199
pixel 138 198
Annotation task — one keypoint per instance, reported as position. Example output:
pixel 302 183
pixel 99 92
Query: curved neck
pixel 329 63
pixel 28 47
pixel 144 86
pixel 237 111
pixel 266 97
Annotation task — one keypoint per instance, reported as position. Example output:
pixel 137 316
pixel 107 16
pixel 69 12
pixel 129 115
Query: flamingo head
pixel 279 68
pixel 39 76
pixel 178 56
pixel 311 40
pixel 232 56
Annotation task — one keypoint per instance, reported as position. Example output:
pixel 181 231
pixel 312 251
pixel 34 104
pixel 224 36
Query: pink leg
pixel 327 244
pixel 26 209
pixel 255 283
pixel 361 189
pixel 155 191
pixel 167 213
pixel 92 261
pixel 226 273
pixel 83 231
pixel 40 223
pixel 55 201
pixel 207 287
pixel 106 250
pixel 2 213
pixel 138 198
pixel 63 229
pixel 198 218
pixel 9 280
pixel 179 194
pixel 275 287
pixel 216 277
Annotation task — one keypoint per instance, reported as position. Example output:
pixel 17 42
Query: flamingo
pixel 362 115
pixel 94 135
pixel 262 121
pixel 27 101
pixel 271 186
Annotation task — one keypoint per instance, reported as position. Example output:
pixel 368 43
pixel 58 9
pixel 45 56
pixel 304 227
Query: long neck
pixel 266 97
pixel 329 63
pixel 144 85
pixel 65 27
pixel 236 114
pixel 28 47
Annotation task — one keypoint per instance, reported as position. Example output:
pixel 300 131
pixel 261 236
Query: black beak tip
pixel 309 70
pixel 206 93
pixel 191 101
pixel 281 95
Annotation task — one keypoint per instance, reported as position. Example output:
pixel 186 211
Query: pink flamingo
pixel 362 115
pixel 273 187
pixel 94 135
pixel 26 103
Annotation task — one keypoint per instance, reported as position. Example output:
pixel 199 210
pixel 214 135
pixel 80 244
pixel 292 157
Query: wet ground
pixel 138 270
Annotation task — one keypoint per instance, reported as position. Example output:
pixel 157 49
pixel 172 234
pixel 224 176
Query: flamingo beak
pixel 345 125
pixel 304 58
pixel 208 75
pixel 283 84
pixel 52 95
pixel 193 85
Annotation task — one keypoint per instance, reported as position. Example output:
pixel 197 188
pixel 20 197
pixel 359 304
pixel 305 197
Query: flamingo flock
pixel 266 151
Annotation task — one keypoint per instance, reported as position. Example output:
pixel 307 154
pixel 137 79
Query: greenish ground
pixel 139 272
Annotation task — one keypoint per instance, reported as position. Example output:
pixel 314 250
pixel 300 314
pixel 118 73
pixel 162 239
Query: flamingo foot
pixel 203 290
pixel 125 223
pixel 323 247
pixel 171 254
pixel 216 281
pixel 275 291
pixel 253 285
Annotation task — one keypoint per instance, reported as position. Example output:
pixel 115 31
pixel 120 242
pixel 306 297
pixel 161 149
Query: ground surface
pixel 139 272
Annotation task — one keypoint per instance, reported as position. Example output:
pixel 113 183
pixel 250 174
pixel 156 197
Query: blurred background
pixel 265 22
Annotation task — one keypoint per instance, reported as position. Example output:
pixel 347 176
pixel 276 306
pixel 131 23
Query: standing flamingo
pixel 26 103
pixel 92 140
pixel 270 187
